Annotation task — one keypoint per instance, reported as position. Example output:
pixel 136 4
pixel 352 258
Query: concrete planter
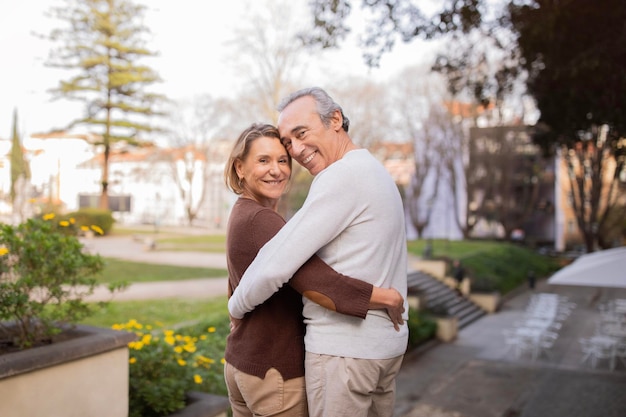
pixel 490 302
pixel 447 328
pixel 85 375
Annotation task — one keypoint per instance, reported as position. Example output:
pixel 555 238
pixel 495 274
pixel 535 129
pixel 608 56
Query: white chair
pixel 545 344
pixel 517 344
pixel 595 349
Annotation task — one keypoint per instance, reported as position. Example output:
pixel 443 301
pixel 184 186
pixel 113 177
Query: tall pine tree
pixel 19 166
pixel 102 43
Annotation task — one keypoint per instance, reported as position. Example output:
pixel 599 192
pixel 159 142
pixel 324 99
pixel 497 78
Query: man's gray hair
pixel 326 106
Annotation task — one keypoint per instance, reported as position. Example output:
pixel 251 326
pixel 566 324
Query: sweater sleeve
pixel 328 209
pixel 350 296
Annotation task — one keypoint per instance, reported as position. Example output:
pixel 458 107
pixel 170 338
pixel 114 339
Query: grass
pixel 171 240
pixel 117 270
pixel 166 313
pixel 200 243
pixel 452 249
pixel 497 265
pixel 491 265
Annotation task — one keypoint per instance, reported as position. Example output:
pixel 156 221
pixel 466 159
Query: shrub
pixel 43 280
pixel 87 218
pixel 421 328
pixel 166 364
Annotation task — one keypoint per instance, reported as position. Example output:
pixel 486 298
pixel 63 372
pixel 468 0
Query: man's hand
pixel 391 300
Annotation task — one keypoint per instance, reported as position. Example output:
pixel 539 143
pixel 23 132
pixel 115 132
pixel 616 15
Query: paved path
pixel 128 248
pixel 475 375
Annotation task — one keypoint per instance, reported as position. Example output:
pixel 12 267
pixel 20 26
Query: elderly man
pixel 354 220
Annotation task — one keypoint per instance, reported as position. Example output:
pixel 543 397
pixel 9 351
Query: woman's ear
pixel 239 168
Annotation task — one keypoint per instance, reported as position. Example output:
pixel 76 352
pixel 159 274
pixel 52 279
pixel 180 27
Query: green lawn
pixel 166 313
pixel 117 270
pixel 169 240
pixel 491 265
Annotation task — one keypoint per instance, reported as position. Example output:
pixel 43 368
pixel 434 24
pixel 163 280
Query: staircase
pixel 435 293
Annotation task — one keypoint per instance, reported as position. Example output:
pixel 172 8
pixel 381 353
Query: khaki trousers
pixel 251 396
pixel 348 387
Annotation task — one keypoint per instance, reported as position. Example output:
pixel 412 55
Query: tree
pixel 195 156
pixel 508 175
pixel 19 166
pixel 102 42
pixel 366 106
pixel 571 54
pixel 574 54
pixel 267 55
pixel 20 170
pixel 417 98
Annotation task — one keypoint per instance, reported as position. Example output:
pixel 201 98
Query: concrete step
pixel 436 294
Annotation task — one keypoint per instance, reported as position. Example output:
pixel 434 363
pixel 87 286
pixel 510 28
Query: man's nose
pixel 296 148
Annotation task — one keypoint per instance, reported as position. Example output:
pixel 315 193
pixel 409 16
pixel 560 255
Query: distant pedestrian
pixel 458 272
pixel 531 279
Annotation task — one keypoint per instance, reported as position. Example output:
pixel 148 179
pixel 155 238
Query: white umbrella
pixel 606 268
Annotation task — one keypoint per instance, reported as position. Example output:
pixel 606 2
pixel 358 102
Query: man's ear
pixel 336 121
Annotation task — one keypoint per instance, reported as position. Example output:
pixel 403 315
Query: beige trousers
pixel 251 396
pixel 347 387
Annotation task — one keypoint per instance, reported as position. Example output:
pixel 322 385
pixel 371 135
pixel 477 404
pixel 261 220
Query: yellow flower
pixel 4 251
pixel 146 339
pixel 181 362
pixel 223 361
pixel 178 349
pixel 211 329
pixel 84 228
pixel 64 223
pixel 97 229
pixel 169 339
pixel 204 359
pixel 72 220
pixel 203 337
pixel 189 348
pixel 136 345
pixel 197 379
pixel 48 216
pixel 132 360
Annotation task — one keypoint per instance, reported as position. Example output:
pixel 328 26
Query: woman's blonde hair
pixel 242 148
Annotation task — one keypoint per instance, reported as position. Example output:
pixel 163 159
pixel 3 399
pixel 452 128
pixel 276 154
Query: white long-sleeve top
pixel 354 220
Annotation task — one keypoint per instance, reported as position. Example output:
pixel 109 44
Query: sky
pixel 204 26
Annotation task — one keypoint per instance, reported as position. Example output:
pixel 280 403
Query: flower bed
pixel 166 364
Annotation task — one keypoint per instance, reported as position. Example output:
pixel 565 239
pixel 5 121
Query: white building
pixel 146 185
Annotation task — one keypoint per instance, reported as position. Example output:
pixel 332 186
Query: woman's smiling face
pixel 265 171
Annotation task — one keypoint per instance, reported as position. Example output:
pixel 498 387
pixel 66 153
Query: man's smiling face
pixel 309 142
